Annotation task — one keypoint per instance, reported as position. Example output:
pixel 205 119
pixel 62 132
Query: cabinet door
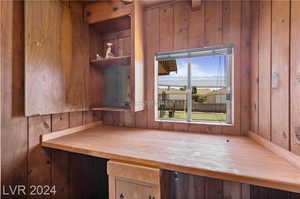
pixel 131 190
pixel 56 57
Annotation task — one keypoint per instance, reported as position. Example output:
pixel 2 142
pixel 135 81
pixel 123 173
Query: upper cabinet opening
pixel 110 60
pixel 113 25
pixel 116 55
pixel 117 34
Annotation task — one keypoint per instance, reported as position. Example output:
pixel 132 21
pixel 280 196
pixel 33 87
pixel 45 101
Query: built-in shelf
pixel 117 109
pixel 117 83
pixel 122 60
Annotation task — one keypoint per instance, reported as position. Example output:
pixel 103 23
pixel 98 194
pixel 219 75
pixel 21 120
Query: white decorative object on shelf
pixel 109 51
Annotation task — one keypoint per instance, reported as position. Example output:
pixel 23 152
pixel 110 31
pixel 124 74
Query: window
pixel 194 85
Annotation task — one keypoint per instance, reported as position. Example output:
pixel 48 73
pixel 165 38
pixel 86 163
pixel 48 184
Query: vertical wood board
pixel 39 159
pixel 280 66
pixel 181 25
pixel 152 46
pixel 295 77
pixel 166 28
pixel 213 23
pixel 265 69
pixel 254 67
pixel 245 66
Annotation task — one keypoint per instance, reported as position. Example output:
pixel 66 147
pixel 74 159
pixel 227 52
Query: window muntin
pixel 195 85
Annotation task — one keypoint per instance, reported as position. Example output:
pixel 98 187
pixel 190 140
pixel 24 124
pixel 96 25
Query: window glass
pixel 195 85
pixel 172 89
pixel 208 83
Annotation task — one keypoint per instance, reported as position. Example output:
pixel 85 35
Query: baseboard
pixel 69 131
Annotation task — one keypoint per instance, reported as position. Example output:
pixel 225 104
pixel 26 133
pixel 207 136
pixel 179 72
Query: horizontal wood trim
pixel 57 134
pixel 105 62
pixel 134 172
pixel 102 11
pixel 289 156
pixel 232 158
pixel 112 109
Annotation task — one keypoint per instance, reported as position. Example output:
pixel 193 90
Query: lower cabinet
pixel 127 181
pixel 133 190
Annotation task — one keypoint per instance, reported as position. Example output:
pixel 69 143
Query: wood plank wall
pixel 78 176
pixel 275 48
pixel 275 105
pixel 23 161
pixel 183 186
pixel 174 26
pixel 59 62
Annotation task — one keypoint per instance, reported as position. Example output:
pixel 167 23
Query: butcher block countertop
pixel 233 158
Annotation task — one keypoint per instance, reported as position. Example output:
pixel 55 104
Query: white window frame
pixel 208 51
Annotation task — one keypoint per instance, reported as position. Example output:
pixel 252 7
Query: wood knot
pixel 46 125
pixel 284 134
pixel 87 14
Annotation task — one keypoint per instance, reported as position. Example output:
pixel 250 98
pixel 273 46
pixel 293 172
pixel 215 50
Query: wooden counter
pixel 231 158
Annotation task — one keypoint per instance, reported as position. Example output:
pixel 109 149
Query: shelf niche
pixel 117 83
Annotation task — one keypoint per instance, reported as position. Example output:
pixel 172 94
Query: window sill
pixel 198 123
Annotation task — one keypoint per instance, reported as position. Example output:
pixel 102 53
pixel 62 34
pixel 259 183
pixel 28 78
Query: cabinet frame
pixel 133 174
pixel 103 11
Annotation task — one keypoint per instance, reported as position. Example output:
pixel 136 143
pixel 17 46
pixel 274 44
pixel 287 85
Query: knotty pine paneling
pixel 152 46
pixel 266 193
pixel 56 57
pixel 39 159
pixel 174 26
pixel 182 186
pixel 294 77
pixel 245 66
pixel 167 33
pixel 264 59
pixel 181 25
pixel 213 23
pixel 231 34
pixel 280 65
pixel 76 119
pixel 254 66
pixel 60 159
pixel 24 161
pixel 166 28
pixel 275 49
pixel 197 30
pixel 13 127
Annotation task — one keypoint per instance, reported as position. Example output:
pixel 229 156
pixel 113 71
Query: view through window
pixel 195 85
